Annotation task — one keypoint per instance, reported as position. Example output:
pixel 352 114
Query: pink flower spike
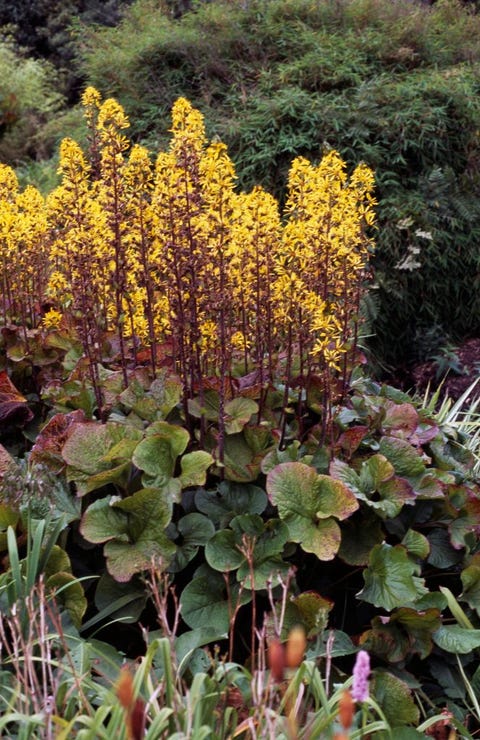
pixel 361 672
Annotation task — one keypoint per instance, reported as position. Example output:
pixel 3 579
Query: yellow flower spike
pixel 91 98
pixel 8 182
pixel 188 127
pixel 111 119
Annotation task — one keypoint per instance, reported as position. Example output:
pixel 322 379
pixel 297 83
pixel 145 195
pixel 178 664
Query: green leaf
pixel 194 530
pixel 403 456
pixel 360 534
pixel 471 585
pixel 227 549
pixel 342 645
pixel 238 412
pixel 194 468
pixel 177 436
pixel 85 447
pixel 97 454
pixel 389 578
pixel 166 390
pixel 102 521
pixel 188 642
pixel 58 561
pixel 395 700
pixel 69 592
pixel 8 516
pixel 204 602
pixel 133 529
pixel 122 602
pixel 206 407
pixel 292 453
pixel 405 632
pixel 442 554
pixel 154 455
pixel 229 500
pixel 375 471
pixel 408 733
pixel 222 551
pixel 448 678
pixel 377 485
pixel 466 521
pixel 155 402
pixel 314 611
pixel 455 639
pixel 307 502
pixel 241 462
pixel 263 572
pixel 118 475
pixel 417 544
pixel 401 419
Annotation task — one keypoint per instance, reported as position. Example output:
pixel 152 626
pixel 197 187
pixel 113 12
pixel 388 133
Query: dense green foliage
pixel 44 29
pixel 370 538
pixel 393 84
pixel 29 98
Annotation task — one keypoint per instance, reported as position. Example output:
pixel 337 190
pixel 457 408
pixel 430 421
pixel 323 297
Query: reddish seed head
pixel 137 720
pixel 276 659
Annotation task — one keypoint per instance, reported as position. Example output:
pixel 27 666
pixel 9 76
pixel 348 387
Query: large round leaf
pixel 194 468
pixel 193 530
pixel 204 602
pixel 252 546
pixel 309 503
pixel 395 699
pixel 134 530
pixel 230 499
pixel 238 412
pixel 390 579
pixel 154 455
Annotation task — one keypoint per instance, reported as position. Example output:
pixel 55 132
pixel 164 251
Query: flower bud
pixel 276 659
pixel 296 645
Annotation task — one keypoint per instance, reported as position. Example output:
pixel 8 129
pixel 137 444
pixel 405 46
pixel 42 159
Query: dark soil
pixel 456 376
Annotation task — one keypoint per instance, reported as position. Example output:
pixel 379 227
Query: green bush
pixel 29 97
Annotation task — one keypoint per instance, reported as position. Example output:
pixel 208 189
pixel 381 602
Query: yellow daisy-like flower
pixel 52 319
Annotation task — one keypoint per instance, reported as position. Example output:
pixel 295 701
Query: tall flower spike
pixel 361 672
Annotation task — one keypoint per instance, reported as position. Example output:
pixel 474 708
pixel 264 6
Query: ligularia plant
pixel 171 255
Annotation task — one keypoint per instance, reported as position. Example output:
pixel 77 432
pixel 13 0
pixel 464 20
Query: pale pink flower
pixel 361 672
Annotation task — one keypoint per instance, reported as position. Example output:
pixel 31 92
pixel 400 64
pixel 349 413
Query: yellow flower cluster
pixel 172 252
pixel 24 250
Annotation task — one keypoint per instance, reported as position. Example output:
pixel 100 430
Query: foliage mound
pixel 206 457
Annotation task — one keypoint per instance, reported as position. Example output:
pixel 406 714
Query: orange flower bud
pixel 296 645
pixel 134 708
pixel 346 709
pixel 276 659
pixel 124 688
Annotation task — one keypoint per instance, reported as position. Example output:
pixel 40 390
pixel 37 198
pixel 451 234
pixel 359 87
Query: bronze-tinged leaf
pixel 401 419
pixel 6 460
pixel 13 406
pixel 47 449
pixel 351 438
